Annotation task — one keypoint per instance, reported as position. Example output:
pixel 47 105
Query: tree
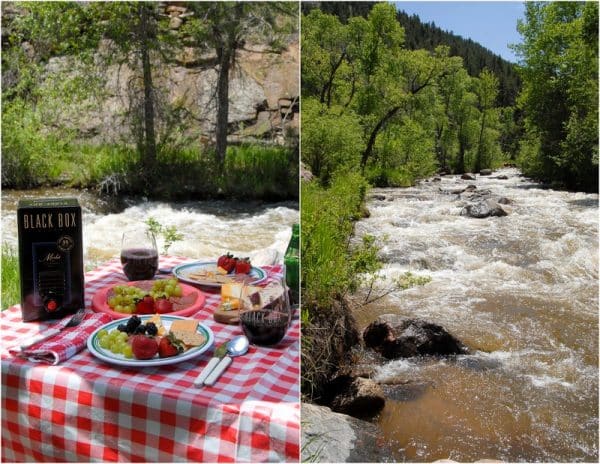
pixel 136 37
pixel 225 27
pixel 559 69
pixel 486 91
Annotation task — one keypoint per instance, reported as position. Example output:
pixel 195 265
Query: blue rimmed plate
pixel 93 344
pixel 205 274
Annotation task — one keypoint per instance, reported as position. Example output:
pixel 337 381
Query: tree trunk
pixel 149 154
pixel 224 54
pixel 371 143
pixel 480 143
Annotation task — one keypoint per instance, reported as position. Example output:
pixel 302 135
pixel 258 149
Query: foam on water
pixel 522 292
pixel 208 229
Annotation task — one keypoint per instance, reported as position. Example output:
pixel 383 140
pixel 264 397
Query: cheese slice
pixel 231 295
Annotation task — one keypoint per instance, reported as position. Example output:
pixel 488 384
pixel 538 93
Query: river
pixel 520 290
pixel 209 228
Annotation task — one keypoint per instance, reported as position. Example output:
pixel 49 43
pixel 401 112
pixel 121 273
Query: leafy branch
pixel 168 233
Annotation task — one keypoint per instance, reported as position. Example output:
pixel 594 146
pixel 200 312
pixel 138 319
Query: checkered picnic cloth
pixel 86 410
pixel 67 343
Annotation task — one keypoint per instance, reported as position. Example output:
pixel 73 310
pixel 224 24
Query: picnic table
pixel 84 409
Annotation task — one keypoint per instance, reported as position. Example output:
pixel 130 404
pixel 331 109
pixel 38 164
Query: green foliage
pixel 330 138
pixel 409 280
pixel 169 234
pixel 402 113
pixel 560 92
pixel 11 287
pixel 330 265
pixel 260 172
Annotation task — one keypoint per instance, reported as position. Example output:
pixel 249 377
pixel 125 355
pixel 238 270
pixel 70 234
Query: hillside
pixel 419 35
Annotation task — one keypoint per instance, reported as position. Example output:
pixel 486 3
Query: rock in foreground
pixel 395 337
pixel 357 397
pixel 331 437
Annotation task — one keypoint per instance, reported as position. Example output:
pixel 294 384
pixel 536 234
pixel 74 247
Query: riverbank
pixel 251 171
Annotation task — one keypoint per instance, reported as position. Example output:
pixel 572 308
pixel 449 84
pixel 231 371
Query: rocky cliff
pixel 263 90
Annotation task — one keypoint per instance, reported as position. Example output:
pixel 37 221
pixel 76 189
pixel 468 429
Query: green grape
pixel 178 291
pixel 117 347
pixel 102 333
pixel 105 342
pixel 127 351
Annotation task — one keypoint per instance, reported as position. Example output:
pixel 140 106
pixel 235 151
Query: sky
pixel 492 24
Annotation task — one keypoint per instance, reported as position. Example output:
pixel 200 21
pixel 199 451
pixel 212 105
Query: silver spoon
pixel 237 346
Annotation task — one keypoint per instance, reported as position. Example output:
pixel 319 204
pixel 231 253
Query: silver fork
pixel 53 332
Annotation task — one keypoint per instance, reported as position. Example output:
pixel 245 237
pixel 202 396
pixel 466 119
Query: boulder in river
pixel 502 177
pixel 485 172
pixel 356 396
pixel 483 209
pixel 328 436
pixel 466 176
pixel 396 337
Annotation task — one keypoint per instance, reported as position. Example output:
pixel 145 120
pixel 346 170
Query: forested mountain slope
pixel 420 35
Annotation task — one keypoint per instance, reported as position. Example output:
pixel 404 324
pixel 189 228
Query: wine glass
pixel 139 254
pixel 266 322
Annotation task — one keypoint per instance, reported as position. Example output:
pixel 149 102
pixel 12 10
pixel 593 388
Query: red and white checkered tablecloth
pixel 86 410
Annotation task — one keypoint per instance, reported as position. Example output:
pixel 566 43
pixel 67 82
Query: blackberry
pixel 140 329
pixel 132 324
pixel 122 328
pixel 151 328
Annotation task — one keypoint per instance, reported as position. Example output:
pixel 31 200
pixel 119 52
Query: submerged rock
pixel 483 209
pixel 395 337
pixel 466 176
pixel 357 396
pixel 328 436
pixel 485 172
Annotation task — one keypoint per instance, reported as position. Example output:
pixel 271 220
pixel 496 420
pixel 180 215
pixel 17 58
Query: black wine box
pixel 50 257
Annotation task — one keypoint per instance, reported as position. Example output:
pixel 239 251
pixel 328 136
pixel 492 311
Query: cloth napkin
pixel 64 345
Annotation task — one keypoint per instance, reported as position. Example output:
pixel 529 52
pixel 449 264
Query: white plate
pixel 93 345
pixel 182 272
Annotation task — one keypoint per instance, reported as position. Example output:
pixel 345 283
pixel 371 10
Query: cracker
pixel 184 325
pixel 189 338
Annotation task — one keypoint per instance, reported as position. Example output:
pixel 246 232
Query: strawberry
pixel 145 305
pixel 143 347
pixel 227 262
pixel 163 305
pixel 169 346
pixel 243 266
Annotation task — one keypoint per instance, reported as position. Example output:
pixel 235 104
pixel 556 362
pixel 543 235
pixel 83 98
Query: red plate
pixel 100 300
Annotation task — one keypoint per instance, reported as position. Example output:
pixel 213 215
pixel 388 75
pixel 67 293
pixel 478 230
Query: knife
pixel 219 354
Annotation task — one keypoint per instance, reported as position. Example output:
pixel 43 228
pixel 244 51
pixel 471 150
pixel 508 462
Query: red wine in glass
pixel 139 263
pixel 264 327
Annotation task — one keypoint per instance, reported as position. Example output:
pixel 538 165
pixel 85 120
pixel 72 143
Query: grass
pixel 250 171
pixel 11 289
pixel 329 266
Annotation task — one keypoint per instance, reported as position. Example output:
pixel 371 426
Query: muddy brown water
pixel 522 292
pixel 209 228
